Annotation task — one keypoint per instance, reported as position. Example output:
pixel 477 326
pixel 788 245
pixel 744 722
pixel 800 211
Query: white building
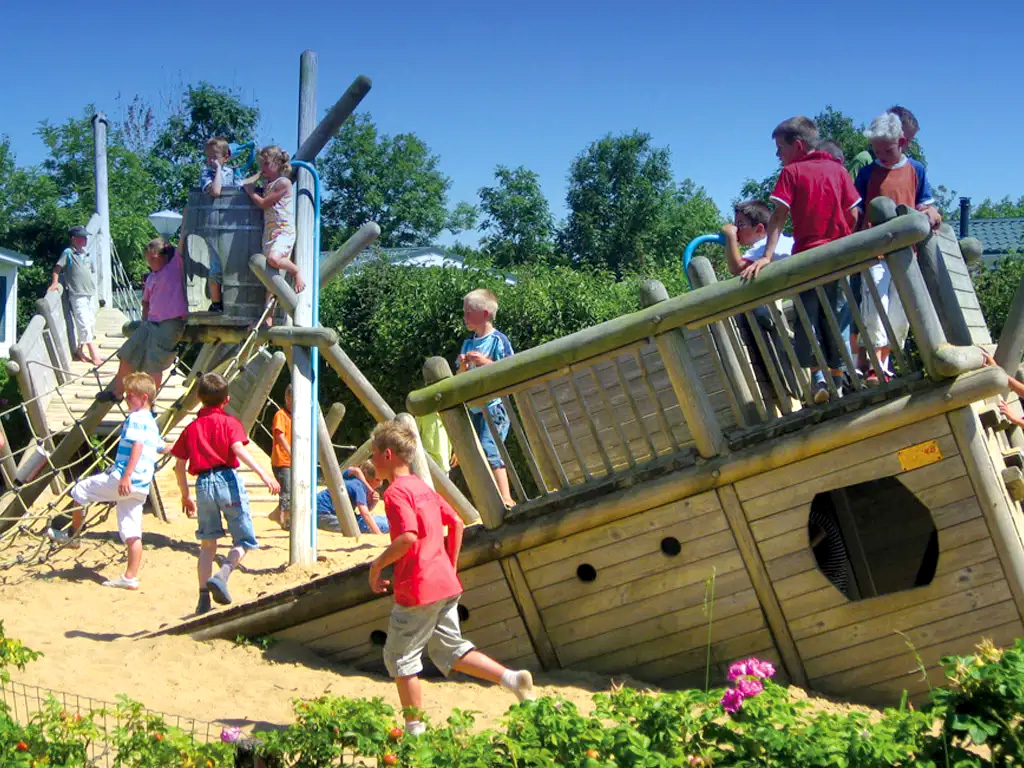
pixel 10 261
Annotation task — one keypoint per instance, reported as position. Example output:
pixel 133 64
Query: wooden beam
pixel 995 504
pixel 762 584
pixel 542 644
pixel 317 138
pixel 474 466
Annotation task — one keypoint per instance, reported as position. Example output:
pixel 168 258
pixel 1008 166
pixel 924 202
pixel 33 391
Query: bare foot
pixel 97 362
pixel 300 284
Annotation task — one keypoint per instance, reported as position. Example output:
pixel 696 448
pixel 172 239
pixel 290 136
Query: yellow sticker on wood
pixel 920 455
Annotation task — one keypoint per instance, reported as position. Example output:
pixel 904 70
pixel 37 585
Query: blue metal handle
pixel 314 352
pixel 692 246
pixel 252 158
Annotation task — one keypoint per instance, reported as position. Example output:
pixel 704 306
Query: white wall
pixel 10 324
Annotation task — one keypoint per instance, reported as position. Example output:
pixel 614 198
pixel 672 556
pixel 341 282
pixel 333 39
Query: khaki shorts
pixel 152 347
pixel 434 626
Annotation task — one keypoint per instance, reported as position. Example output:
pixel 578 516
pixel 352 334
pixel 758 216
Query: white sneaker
pixel 122 583
pixel 63 538
pixel 524 686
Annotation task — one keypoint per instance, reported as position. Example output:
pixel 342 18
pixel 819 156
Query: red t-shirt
pixel 206 442
pixel 818 192
pixel 424 574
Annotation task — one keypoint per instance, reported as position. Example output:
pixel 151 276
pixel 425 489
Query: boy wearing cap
pixel 76 265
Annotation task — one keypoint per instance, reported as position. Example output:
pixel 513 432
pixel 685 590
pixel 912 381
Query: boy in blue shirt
pixel 487 345
pixel 361 483
pixel 127 483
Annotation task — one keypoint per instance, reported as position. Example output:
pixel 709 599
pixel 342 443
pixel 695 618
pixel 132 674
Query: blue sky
pixel 532 83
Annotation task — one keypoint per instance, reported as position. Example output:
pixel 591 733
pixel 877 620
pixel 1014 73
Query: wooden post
pixel 335 415
pixel 1010 350
pixel 303 530
pixel 991 493
pixel 335 480
pixel 762 584
pixel 248 402
pixel 317 138
pixel 940 288
pixel 474 465
pixel 7 465
pixel 104 272
pixel 334 264
pixel 52 310
pixel 419 463
pixel 702 273
pixel 693 400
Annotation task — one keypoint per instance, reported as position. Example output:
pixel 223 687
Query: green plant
pixel 984 701
pixel 13 654
pixel 263 642
pixel 144 740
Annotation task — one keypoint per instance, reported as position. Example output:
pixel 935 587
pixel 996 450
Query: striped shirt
pixel 139 428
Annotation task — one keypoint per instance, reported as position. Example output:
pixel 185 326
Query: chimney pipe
pixel 965 216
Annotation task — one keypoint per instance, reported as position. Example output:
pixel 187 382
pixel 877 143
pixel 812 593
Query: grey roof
pixel 15 258
pixel 999 236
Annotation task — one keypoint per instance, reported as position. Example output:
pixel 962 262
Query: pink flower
pixel 749 688
pixel 739 669
pixel 230 735
pixel 732 701
pixel 751 667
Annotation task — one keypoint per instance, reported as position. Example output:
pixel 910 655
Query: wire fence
pixel 26 702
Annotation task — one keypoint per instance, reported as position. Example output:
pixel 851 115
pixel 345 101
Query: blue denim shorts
pixel 221 491
pixel 487 442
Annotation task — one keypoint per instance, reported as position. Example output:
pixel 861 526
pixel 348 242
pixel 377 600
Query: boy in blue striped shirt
pixel 127 483
pixel 487 345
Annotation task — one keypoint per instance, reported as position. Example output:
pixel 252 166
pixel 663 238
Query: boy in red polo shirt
pixel 815 189
pixel 427 589
pixel 212 446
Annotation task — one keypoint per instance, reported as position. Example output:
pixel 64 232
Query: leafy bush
pixel 996 288
pixel 752 723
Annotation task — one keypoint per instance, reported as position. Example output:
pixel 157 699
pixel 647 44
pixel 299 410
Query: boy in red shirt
pixel 815 189
pixel 426 588
pixel 212 446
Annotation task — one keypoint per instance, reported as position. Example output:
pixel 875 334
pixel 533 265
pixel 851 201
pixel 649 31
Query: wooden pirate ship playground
pixel 678 497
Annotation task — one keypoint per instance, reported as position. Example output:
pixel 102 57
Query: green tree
pixel 996 287
pixel 625 212
pixel 1004 209
pixel 392 180
pixel 516 218
pixel 176 154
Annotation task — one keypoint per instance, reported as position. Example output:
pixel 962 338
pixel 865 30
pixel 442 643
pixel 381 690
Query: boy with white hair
pixel 487 345
pixel 903 180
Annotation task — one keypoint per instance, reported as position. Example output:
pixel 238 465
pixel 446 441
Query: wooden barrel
pixel 232 228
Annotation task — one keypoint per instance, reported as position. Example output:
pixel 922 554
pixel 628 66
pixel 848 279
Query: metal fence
pixel 24 702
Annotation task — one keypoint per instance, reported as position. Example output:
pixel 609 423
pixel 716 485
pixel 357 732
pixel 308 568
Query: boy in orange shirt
pixel 281 460
pixel 426 588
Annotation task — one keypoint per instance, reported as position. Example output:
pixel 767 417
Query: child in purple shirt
pixel 152 346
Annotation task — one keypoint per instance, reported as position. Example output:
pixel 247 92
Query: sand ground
pixel 94 644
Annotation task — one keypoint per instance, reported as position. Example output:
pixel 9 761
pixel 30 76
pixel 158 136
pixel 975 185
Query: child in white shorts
pixel 127 483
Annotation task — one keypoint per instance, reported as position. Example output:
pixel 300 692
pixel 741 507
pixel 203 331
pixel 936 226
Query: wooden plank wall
pixel 621 412
pixel 644 613
pixel 852 649
pixel 949 246
pixel 355 635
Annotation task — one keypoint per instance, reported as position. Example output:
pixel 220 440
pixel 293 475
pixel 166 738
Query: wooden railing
pixel 668 382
